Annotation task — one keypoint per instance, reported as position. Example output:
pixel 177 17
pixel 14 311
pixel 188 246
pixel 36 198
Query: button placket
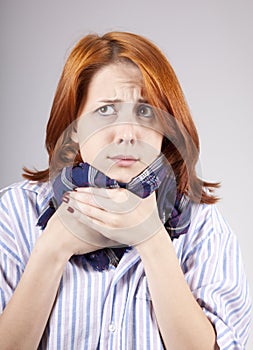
pixel 112 327
pixel 110 317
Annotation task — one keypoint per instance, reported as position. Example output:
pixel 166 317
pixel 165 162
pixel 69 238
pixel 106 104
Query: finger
pixel 95 217
pixel 107 199
pixel 118 194
pixel 111 200
pixel 92 216
pixel 83 227
pixel 102 192
pixel 82 197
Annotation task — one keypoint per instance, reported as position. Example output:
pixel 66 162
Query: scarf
pixel 174 208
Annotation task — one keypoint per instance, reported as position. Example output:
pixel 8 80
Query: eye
pixel 106 110
pixel 145 111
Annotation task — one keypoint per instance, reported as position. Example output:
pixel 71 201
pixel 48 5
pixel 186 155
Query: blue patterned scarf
pixel 174 208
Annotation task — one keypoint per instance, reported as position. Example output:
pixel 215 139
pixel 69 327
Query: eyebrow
pixel 140 100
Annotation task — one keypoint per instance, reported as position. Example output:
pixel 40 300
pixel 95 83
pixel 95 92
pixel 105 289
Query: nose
pixel 125 134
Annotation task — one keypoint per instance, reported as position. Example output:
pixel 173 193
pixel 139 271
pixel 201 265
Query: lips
pixel 124 160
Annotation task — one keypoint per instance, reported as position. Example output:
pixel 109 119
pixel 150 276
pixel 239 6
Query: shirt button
pixel 112 327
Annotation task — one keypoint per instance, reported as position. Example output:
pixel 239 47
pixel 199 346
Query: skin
pixel 117 131
pixel 182 323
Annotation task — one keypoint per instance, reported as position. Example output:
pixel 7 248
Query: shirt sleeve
pixel 16 240
pixel 215 273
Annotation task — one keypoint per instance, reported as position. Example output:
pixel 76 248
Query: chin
pixel 122 178
pixel 122 175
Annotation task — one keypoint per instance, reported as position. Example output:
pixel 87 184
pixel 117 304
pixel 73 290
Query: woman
pixel 130 252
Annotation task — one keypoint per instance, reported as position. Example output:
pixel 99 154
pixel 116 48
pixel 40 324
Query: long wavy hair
pixel 163 91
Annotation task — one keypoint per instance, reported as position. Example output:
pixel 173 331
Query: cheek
pixel 86 152
pixel 91 148
pixel 155 140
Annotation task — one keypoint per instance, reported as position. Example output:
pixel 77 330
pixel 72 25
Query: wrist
pixel 51 250
pixel 154 244
pixel 64 242
pixel 57 240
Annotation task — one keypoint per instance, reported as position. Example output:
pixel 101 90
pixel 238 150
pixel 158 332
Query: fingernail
pixel 71 210
pixel 65 199
pixel 82 189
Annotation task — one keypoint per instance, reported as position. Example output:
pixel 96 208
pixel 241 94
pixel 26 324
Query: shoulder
pixel 208 230
pixel 206 220
pixel 20 206
pixel 27 194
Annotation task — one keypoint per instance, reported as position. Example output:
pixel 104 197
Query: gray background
pixel 208 42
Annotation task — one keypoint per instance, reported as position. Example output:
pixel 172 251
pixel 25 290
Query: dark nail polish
pixel 65 199
pixel 71 210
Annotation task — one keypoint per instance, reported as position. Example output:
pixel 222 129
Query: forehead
pixel 122 71
pixel 114 79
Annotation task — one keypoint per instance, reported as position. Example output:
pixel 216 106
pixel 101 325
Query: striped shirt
pixel 113 309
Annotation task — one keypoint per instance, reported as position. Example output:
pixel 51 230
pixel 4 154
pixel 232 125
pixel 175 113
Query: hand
pixel 80 229
pixel 117 214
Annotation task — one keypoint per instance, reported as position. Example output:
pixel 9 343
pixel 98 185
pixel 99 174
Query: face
pixel 117 130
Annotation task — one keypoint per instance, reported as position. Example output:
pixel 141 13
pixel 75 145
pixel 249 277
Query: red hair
pixel 162 88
